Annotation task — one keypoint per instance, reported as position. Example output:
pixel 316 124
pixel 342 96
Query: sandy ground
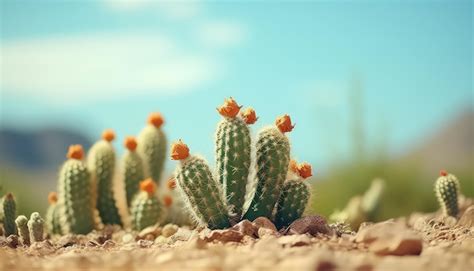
pixel 418 242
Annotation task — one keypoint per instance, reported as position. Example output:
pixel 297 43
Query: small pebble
pixel 169 229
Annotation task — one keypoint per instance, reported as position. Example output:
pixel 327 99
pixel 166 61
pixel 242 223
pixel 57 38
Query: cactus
pixel 273 156
pixel 177 213
pixel 146 210
pixel 101 163
pixel 74 194
pixel 9 214
pixel 294 196
pixel 132 169
pixel 447 189
pixel 200 190
pixel 52 214
pixel 22 225
pixel 233 153
pixel 152 147
pixel 36 227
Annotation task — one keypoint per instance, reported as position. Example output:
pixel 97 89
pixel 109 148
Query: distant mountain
pixel 37 150
pixel 451 147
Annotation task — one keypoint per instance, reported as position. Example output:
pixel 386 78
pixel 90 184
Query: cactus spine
pixel 36 227
pixel 101 163
pixel 152 146
pixel 9 214
pixel 447 189
pixel 233 157
pixel 74 194
pixel 133 169
pixel 273 156
pixel 52 214
pixel 294 195
pixel 201 191
pixel 146 209
pixel 22 225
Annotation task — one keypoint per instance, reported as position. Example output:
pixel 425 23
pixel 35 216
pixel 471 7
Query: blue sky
pixel 90 65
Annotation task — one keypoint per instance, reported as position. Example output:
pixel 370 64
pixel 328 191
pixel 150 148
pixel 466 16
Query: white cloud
pixel 171 9
pixel 70 69
pixel 221 34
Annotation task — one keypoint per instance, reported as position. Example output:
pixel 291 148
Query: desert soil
pixel 417 242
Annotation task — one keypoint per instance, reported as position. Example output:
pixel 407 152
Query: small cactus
pixel 36 227
pixel 152 147
pixel 9 214
pixel 294 195
pixel 132 169
pixel 101 163
pixel 74 194
pixel 233 153
pixel 22 225
pixel 177 213
pixel 273 156
pixel 447 189
pixel 146 210
pixel 201 191
pixel 52 214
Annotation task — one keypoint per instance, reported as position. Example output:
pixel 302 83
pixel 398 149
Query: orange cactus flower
pixel 156 119
pixel 293 166
pixel 443 173
pixel 9 196
pixel 179 150
pixel 304 170
pixel 130 143
pixel 229 109
pixel 75 152
pixel 108 135
pixel 167 200
pixel 249 116
pixel 171 183
pixel 284 124
pixel 148 186
pixel 52 197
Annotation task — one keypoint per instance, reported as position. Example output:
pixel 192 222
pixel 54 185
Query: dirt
pixel 417 242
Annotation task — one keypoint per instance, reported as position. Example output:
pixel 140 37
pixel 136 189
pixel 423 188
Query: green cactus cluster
pixel 9 214
pixel 146 210
pixel 447 189
pixel 36 227
pixel 218 200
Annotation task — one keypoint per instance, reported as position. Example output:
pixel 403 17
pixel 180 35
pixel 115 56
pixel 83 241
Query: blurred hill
pixel 451 147
pixel 37 150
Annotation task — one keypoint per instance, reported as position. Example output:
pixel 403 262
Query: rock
pixel 265 232
pixel 263 222
pixel 224 236
pixel 325 266
pixel 169 230
pixel 467 219
pixel 160 240
pixel 390 238
pixel 144 243
pixel 108 244
pixel 149 233
pixel 309 224
pixel 92 243
pixel 12 241
pixel 183 234
pixel 246 228
pixel 196 243
pixel 67 240
pixel 294 240
pixel 127 238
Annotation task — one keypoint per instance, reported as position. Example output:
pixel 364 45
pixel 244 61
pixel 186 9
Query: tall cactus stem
pixel 133 170
pixel 9 214
pixel 201 191
pixel 36 227
pixel 22 226
pixel 447 189
pixel 53 225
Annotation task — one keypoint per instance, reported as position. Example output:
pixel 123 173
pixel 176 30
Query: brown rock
pixel 12 241
pixel 325 266
pixel 294 240
pixel 67 240
pixel 467 219
pixel 149 233
pixel 144 243
pixel 224 236
pixel 169 229
pixel 246 228
pixel 309 224
pixel 108 244
pixel 264 232
pixel 390 238
pixel 263 222
pixel 196 243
